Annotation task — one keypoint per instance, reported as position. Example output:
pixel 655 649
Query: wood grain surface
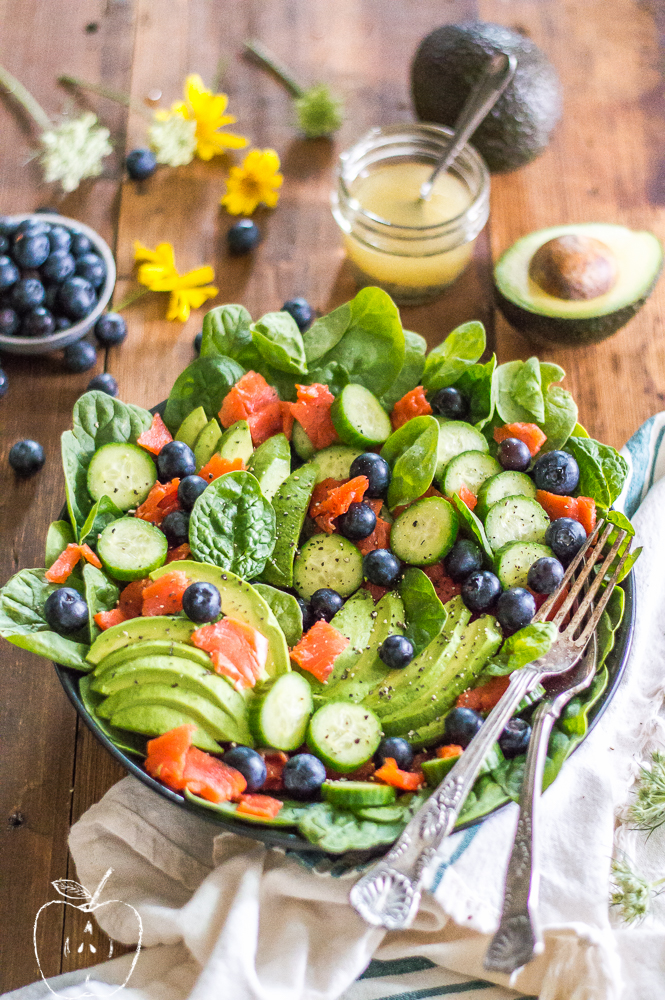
pixel 606 163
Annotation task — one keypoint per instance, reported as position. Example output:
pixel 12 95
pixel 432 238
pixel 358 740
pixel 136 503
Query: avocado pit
pixel 574 267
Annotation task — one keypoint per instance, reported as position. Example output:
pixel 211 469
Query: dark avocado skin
pixel 450 60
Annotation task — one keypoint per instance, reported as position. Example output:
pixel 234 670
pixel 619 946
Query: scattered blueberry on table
pixel 110 329
pixel 26 457
pixel 301 311
pixel 198 339
pixel 140 163
pixel 104 383
pixel 243 236
pixel 79 356
pixel 4 384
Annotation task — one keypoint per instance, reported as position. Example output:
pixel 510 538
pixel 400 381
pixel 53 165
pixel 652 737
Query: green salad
pixel 295 594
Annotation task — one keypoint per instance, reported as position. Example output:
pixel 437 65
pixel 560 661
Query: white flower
pixel 74 150
pixel 173 138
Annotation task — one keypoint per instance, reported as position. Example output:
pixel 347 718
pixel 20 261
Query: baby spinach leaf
pixel 425 614
pixel 203 383
pixel 22 620
pixel 338 830
pixel 103 512
pixel 333 374
pixel 486 795
pixel 472 527
pixel 279 342
pixel 447 362
pixel 603 470
pixel 524 646
pixel 285 609
pixel 227 331
pixel 527 389
pixel 560 418
pixel 326 332
pixel 478 385
pixel 101 594
pixel 233 525
pixel 415 348
pixel 516 393
pixel 60 534
pixel 411 451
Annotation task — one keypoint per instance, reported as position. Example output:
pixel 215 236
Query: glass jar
pixel 413 255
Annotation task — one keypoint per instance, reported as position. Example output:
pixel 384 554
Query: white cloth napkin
pixel 224 917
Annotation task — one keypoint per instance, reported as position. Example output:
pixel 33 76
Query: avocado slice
pixel 355 621
pixel 153 647
pixel 206 443
pixel 165 627
pixel 290 504
pixel 241 601
pixel 154 720
pixel 548 318
pixel 236 442
pixel 192 426
pixel 122 740
pixel 271 464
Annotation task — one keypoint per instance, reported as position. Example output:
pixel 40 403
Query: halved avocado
pixel 635 260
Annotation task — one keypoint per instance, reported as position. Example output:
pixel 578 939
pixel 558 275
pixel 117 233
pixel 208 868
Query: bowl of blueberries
pixel 56 278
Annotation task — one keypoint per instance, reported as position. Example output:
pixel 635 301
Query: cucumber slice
pixel 359 418
pixel 505 484
pixel 456 436
pixel 279 714
pixel 192 426
pixel 123 472
pixel 335 462
pixel 425 532
pixel 303 446
pixel 515 519
pixel 131 548
pixel 512 562
pixel 470 469
pixel 328 561
pixel 357 794
pixel 344 735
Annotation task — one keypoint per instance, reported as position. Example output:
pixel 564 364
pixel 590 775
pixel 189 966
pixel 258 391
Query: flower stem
pixel 108 92
pixel 261 54
pixel 25 98
pixel 129 299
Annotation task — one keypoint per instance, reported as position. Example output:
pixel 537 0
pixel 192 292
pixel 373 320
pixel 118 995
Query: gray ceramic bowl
pixel 55 341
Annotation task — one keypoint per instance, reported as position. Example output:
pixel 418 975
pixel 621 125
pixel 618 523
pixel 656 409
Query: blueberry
pixel 28 293
pixel 450 403
pixel 37 322
pixel 26 457
pixel 29 250
pixel 515 608
pixel 396 651
pixel 110 329
pixel 381 567
pixel 30 227
pixel 461 726
pixel 301 311
pixel 176 527
pixel 514 739
pixel 59 266
pixel 308 616
pixel 201 602
pixel 91 267
pixel 325 603
pixel 80 244
pixel 9 273
pixel 514 455
pixel 80 356
pixel 51 297
pixel 9 322
pixel 77 297
pixel 464 558
pixel 251 765
pixel 396 747
pixel 545 575
pixel 358 522
pixel 62 323
pixel 4 384
pixel 4 244
pixel 141 164
pixel 480 590
pixel 65 610
pixel 60 238
pixel 377 471
pixel 243 236
pixel 303 776
pixel 190 489
pixel 198 339
pixel 175 461
pixel 103 383
pixel 7 228
pixel 556 472
pixel 565 537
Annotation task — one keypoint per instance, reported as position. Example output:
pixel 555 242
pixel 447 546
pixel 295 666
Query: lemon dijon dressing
pixel 413 248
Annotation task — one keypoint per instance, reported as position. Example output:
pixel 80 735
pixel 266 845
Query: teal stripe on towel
pixel 441 991
pixel 378 968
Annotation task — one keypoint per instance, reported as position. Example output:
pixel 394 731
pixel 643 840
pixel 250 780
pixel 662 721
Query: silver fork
pixel 518 936
pixel 388 895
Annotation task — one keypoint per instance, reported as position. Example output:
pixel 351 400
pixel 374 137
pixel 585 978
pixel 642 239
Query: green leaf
pixel 338 830
pixel 411 452
pixel 279 342
pixel 285 609
pixel 22 620
pixel 227 331
pixel 448 362
pixel 60 534
pixel 530 643
pixel 103 512
pixel 101 594
pixel 326 332
pixel 528 389
pixel 519 388
pixel 560 418
pixel 425 614
pixel 203 383
pixel 477 383
pixel 603 470
pixel 412 369
pixel 333 374
pixel 472 527
pixel 233 525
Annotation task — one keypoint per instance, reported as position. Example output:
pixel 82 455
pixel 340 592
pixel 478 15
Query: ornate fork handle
pixel 389 894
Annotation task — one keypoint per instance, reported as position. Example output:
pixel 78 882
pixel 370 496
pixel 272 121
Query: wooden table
pixel 605 163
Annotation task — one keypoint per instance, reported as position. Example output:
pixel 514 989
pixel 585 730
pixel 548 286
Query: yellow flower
pixel 257 181
pixel 159 274
pixel 207 110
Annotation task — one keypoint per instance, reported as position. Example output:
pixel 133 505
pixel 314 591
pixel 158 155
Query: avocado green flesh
pixel 163 627
pixel 192 426
pixel 236 442
pixel 271 464
pixel 290 503
pixel 206 443
pixel 155 720
pixel 122 740
pixel 354 620
pixel 153 647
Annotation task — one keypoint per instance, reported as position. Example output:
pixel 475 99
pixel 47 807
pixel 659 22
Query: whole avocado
pixel 451 59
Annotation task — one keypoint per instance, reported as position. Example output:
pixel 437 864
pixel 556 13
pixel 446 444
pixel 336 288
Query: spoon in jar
pixel 500 71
